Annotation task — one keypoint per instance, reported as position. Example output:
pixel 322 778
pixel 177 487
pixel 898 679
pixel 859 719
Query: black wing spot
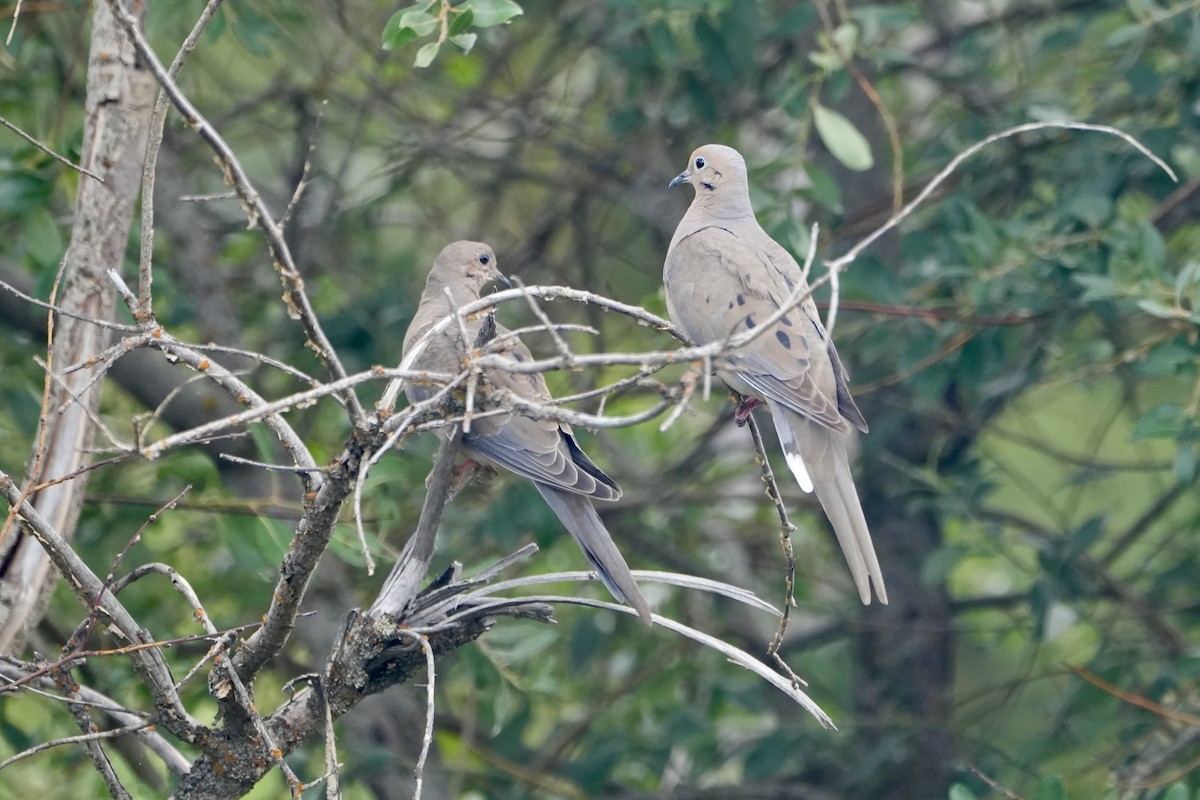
pixel 784 339
pixel 786 321
pixel 730 304
pixel 750 323
pixel 741 300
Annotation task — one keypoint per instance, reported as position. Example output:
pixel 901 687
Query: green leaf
pixel 398 38
pixel 1084 536
pixel 43 239
pixel 1160 422
pixel 252 30
pixel 1150 249
pixel 408 24
pixel 460 22
pixel 1124 35
pixel 418 20
pixel 426 54
pixel 1093 210
pixel 662 42
pixel 823 189
pixel 960 791
pixel 1185 464
pixel 844 141
pixel 940 562
pixel 827 60
pixel 465 41
pixel 1097 287
pixel 1157 309
pixel 1187 284
pixel 217 25
pixel 1177 792
pixel 1050 788
pixel 846 38
pixel 773 755
pixel 489 13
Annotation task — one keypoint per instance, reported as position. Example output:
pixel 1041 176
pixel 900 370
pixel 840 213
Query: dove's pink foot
pixel 466 471
pixel 742 412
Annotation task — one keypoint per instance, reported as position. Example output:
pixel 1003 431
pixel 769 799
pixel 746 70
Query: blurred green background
pixel 1024 349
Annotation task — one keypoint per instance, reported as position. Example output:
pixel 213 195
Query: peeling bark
pixel 120 97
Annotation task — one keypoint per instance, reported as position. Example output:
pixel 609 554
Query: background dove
pixel 725 275
pixel 542 450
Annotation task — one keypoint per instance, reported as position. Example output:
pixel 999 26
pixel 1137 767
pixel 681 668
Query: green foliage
pixel 1025 349
pixel 451 21
pixel 841 137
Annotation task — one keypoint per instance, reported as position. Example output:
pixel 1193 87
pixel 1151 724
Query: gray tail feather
pixel 581 520
pixel 823 452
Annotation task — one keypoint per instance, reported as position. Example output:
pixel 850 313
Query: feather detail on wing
pixel 712 297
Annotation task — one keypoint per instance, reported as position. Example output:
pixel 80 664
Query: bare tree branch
pixel 260 215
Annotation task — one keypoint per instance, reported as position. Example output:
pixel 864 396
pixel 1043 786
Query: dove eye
pixel 485 258
pixel 699 162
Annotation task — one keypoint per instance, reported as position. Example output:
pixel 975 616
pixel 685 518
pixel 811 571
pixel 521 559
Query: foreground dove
pixel 544 451
pixel 724 275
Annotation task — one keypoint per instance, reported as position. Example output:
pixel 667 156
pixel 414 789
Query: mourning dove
pixel 724 275
pixel 544 451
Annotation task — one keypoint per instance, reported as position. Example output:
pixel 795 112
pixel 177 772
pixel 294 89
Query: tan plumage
pixel 723 275
pixel 544 451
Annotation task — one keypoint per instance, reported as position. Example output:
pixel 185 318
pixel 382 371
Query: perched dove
pixel 542 450
pixel 724 275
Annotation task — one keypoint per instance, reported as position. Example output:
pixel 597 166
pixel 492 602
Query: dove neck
pixel 460 294
pixel 726 204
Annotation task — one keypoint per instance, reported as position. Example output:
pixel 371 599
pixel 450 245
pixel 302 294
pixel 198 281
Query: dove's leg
pixel 744 409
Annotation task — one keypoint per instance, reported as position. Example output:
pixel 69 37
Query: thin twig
pixel 66 312
pixel 35 142
pixel 264 465
pixel 86 737
pixel 154 741
pixel 786 529
pixel 547 325
pixel 91 412
pixel 992 783
pixel 845 259
pixel 137 536
pixel 305 172
pixel 259 214
pixel 144 311
pixel 148 662
pixel 13 28
pixel 427 738
pixel 333 789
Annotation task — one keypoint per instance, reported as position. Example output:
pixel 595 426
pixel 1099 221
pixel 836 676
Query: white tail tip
pixel 796 463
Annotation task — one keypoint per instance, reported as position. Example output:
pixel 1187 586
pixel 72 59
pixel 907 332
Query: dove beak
pixel 498 277
pixel 680 178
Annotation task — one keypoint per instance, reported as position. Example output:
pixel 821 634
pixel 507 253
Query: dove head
pixel 718 174
pixel 465 268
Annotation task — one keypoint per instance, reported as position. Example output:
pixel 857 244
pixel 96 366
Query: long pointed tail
pixel 817 457
pixel 581 520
